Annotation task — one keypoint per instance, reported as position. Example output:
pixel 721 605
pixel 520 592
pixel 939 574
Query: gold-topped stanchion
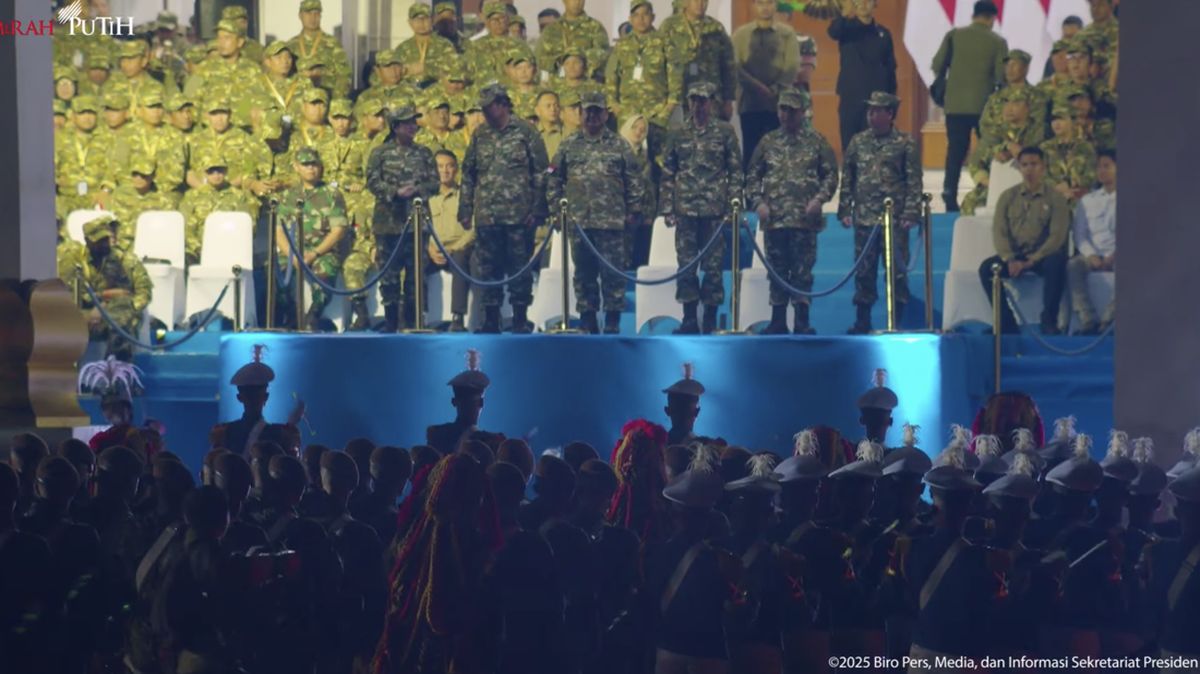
pixel 564 323
pixel 997 295
pixel 418 272
pixel 927 205
pixel 735 296
pixel 237 298
pixel 272 267
pixel 889 262
pixel 298 252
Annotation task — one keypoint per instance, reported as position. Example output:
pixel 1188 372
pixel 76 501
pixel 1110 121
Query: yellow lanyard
pixel 151 148
pixel 422 49
pixel 283 101
pixel 316 44
pixel 82 152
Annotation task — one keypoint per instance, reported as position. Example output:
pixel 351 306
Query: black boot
pixel 900 306
pixel 391 318
pixel 457 324
pixel 587 322
pixel 801 326
pixel 612 322
pixel 862 321
pixel 520 324
pixel 689 326
pixel 709 325
pixel 410 316
pixel 491 321
pixel 778 324
pixel 362 317
pixel 312 319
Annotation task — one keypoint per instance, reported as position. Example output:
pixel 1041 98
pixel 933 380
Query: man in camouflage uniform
pixel 216 194
pixel 116 139
pixel 399 171
pixel 574 67
pixel 880 162
pixel 133 79
pixel 313 127
pixel 574 31
pixel 96 74
pixel 155 141
pixel 250 156
pixel 252 49
pixel 445 25
pixel 702 173
pixel 321 212
pixel 699 49
pixel 503 193
pixel 276 88
pixel 1070 160
pixel 1102 34
pixel 1103 100
pixel 487 56
pixel 425 56
pixel 229 72
pixel 1016 69
pixel 1016 130
pixel 636 75
pixel 792 173
pixel 117 277
pixel 1050 86
pixel 391 89
pixel 312 41
pixel 596 172
pixel 437 134
pixel 344 157
pixel 525 89
pixel 79 164
pixel 137 196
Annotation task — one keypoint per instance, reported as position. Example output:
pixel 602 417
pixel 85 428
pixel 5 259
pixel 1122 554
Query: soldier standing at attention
pixel 469 387
pixel 253 49
pixel 229 71
pixel 793 171
pixel 398 171
pixel 596 172
pixel 881 162
pixel 322 214
pixel 503 192
pixel 699 50
pixel 312 42
pixel 574 30
pixel 459 243
pixel 636 76
pixel 702 172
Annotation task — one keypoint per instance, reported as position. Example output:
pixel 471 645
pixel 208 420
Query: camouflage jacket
pixel 786 172
pixel 220 77
pixel 636 77
pixel 344 162
pixel 248 156
pixel 702 170
pixel 1072 162
pixel 197 204
pixel 117 148
pixel 503 175
pixel 877 167
pixel 452 142
pixel 583 33
pixel 700 52
pixel 325 45
pixel 134 88
pixel 127 204
pixel 1028 134
pixel 993 111
pixel 599 178
pixel 394 95
pixel 1103 38
pixel 390 167
pixel 280 95
pixel 160 144
pixel 78 158
pixel 323 211
pixel 120 269
pixel 438 56
pixel 486 57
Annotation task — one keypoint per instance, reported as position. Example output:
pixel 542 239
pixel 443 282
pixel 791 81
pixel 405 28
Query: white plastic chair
pixel 228 241
pixel 1003 175
pixel 963 297
pixel 657 301
pixel 160 236
pixel 547 293
pixel 972 242
pixel 755 303
pixel 77 219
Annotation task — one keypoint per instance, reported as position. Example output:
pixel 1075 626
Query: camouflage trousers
pixel 390 289
pixel 591 276
pixel 792 253
pixel 691 234
pixel 975 199
pixel 359 262
pixel 326 267
pixel 122 312
pixel 500 251
pixel 865 291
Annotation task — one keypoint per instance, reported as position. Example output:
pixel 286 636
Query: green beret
pixel 417 10
pixel 308 155
pixel 84 103
pixel 99 227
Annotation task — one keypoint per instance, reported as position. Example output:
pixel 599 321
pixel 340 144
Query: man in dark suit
pixel 868 63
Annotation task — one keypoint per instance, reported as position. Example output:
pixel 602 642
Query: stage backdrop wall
pixel 1158 328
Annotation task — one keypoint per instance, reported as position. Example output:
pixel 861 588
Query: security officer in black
pixel 469 387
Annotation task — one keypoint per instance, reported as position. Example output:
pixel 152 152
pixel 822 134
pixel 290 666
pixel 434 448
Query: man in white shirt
pixel 1095 228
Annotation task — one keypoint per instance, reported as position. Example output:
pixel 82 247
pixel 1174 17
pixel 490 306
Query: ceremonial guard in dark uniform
pixel 469 386
pixel 876 407
pixel 1171 582
pixel 251 381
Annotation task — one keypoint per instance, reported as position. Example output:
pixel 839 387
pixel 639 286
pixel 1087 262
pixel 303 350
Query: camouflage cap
pixel 143 165
pixel 515 56
pixel 316 95
pixel 1059 45
pixel 60 107
pixel 792 97
pixel 455 71
pixel 196 53
pixel 370 106
pixel 1018 95
pixel 417 10
pixel 1078 46
pixel 176 102
pixel 403 113
pixel 167 20
pixel 218 104
pixel 517 19
pixel 493 7
pixel 634 4
pixel 701 90
pixel 1062 112
pixel 341 107
pixel 132 49
pixel 436 101
pixel 99 227
pixel 214 160
pixel 151 97
pixel 440 7
pixel 234 12
pixel 115 100
pixel 308 155
pixel 1020 55
pixel 593 99
pixel 387 57
pixel 64 73
pixel 84 103
pixel 1075 91
pixel 277 46
pixel 492 93
pixel 310 6
pixel 882 99
pixel 570 99
pixel 98 60
pixel 231 26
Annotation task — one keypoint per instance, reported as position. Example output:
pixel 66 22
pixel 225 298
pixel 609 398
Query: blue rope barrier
pixel 332 289
pixel 1016 309
pixel 112 324
pixel 652 282
pixel 793 290
pixel 457 268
